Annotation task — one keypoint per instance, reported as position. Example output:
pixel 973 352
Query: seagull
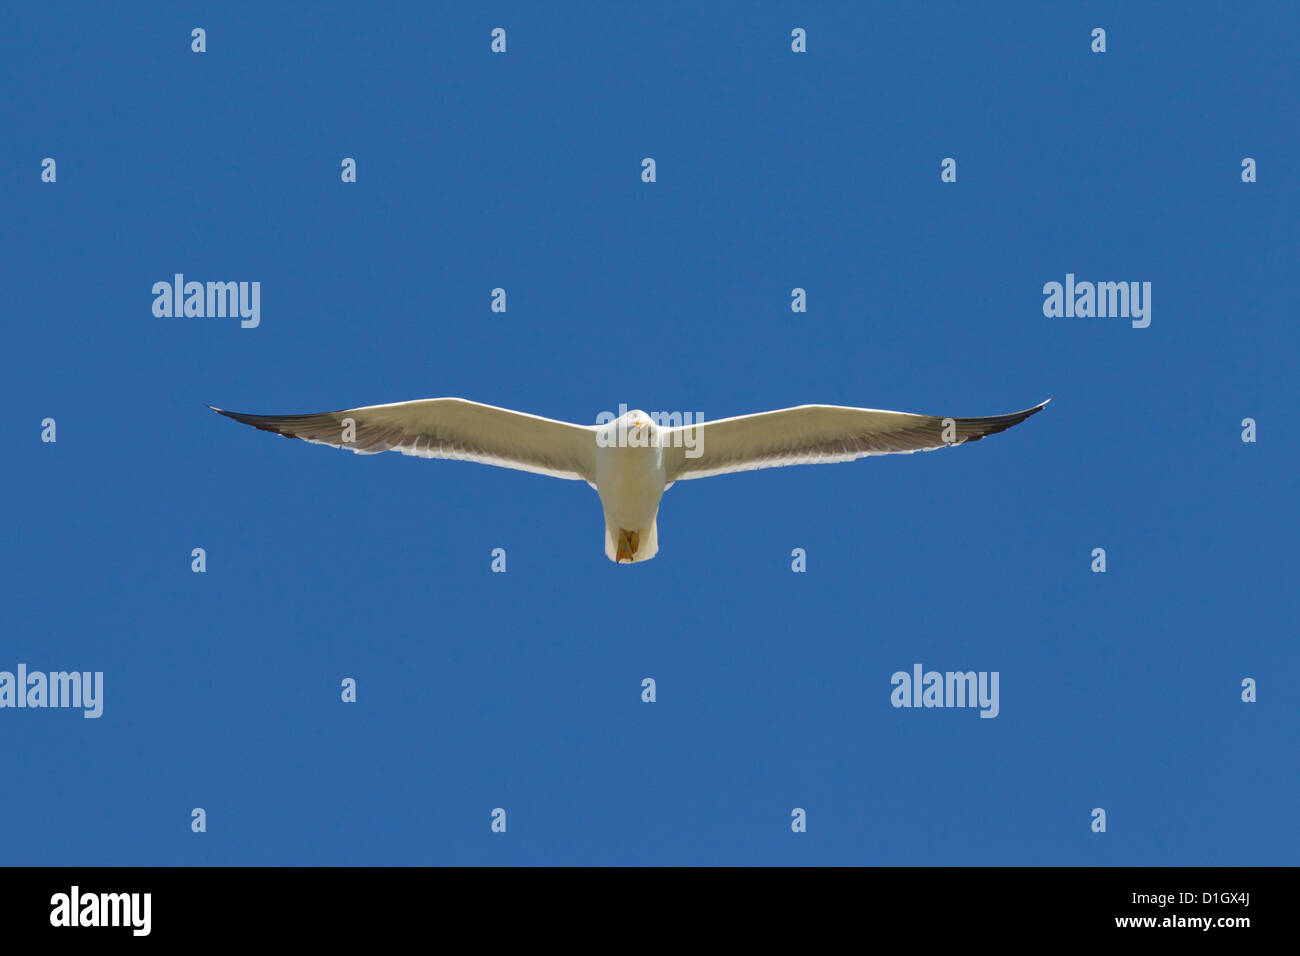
pixel 633 459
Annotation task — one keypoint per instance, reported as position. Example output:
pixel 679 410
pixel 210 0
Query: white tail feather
pixel 647 545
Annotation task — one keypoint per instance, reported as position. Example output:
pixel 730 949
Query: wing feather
pixel 816 434
pixel 450 428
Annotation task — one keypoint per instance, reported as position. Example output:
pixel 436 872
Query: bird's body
pixel 630 479
pixel 630 460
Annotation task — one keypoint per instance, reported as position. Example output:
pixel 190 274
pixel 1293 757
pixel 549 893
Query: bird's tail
pixel 631 545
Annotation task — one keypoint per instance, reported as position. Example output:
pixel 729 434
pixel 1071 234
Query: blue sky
pixel 521 690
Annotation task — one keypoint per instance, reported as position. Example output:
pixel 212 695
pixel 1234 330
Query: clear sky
pixel 775 170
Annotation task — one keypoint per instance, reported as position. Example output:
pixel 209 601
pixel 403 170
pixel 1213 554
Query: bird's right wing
pixel 446 428
pixel 813 434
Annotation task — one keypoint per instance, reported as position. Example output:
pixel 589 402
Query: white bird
pixel 632 460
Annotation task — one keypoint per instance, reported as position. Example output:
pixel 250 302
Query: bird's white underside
pixel 630 461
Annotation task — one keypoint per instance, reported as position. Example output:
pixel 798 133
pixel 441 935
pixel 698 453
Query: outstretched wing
pixel 816 434
pixel 446 428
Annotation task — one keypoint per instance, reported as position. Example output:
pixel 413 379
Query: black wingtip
pixel 1000 423
pixel 243 418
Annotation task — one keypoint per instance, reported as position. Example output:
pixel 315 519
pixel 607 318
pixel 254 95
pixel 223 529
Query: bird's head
pixel 634 428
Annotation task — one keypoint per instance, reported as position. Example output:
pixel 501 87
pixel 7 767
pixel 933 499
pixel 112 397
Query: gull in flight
pixel 633 459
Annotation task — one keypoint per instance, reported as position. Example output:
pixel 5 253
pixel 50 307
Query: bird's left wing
pixel 812 434
pixel 446 428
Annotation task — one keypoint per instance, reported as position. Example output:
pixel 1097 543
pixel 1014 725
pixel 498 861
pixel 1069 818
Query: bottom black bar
pixel 364 905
